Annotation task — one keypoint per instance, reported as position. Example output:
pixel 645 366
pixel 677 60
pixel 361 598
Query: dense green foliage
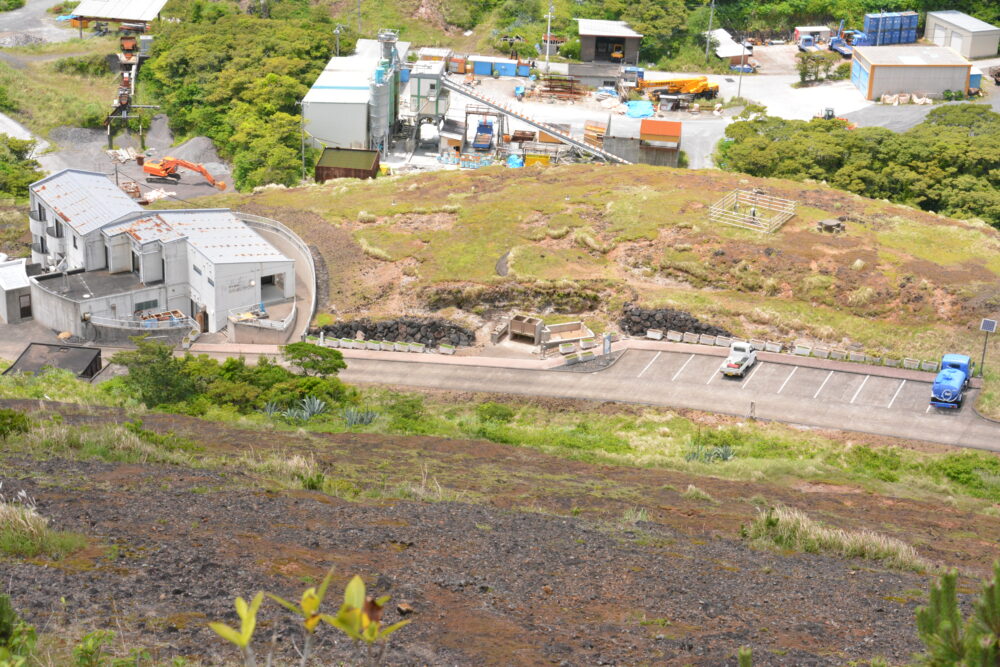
pixel 17 166
pixel 949 164
pixel 7 5
pixel 238 80
pixel 13 422
pixel 193 384
pixel 92 65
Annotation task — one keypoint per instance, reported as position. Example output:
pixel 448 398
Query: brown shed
pixel 608 41
pixel 346 163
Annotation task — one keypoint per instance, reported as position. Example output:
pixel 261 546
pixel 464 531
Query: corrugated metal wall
pixel 920 80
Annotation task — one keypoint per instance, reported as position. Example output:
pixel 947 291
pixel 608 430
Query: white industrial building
pixel 108 259
pixel 354 101
pixel 921 70
pixel 966 34
pixel 15 304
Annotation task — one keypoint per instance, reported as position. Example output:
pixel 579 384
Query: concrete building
pixel 968 35
pixel 15 291
pixel 118 263
pixel 644 141
pixel 608 41
pixel 920 70
pixel 354 102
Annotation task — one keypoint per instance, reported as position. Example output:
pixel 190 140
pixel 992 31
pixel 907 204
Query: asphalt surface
pixel 786 392
pixel 35 20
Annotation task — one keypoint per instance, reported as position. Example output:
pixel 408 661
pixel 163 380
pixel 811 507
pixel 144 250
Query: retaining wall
pixel 637 321
pixel 427 330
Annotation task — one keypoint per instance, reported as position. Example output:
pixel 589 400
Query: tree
pixel 314 359
pixel 950 642
pixel 18 168
pixel 155 376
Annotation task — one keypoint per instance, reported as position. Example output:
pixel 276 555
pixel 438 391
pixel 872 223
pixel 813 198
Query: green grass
pixel 24 533
pixel 789 528
pixel 45 98
pixel 944 244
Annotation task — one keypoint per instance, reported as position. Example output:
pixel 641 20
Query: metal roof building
pixel 966 34
pixel 15 291
pixel 84 362
pixel 728 49
pixel 609 41
pixel 84 200
pixel 921 70
pixel 120 10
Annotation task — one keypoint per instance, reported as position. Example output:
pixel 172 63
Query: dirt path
pixel 533 560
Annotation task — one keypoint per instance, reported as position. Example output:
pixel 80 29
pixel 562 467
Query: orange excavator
pixel 165 171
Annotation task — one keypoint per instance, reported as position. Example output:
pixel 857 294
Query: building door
pixel 25 304
pixel 939 35
pixel 957 41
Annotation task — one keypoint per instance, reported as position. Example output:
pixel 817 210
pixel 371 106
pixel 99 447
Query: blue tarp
pixel 515 161
pixel 65 17
pixel 640 109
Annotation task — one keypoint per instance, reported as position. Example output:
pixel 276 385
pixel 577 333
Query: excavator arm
pixel 167 169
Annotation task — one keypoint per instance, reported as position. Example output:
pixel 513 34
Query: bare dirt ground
pixel 531 564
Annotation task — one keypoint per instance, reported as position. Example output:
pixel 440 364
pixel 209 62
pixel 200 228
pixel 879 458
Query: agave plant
pixel 271 409
pixel 312 406
pixel 355 417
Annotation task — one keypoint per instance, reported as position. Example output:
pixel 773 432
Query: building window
pixel 74 242
pixel 196 269
pixel 211 282
pixel 41 213
pixel 147 305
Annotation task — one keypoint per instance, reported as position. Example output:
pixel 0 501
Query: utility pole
pixel 743 57
pixel 708 35
pixel 302 137
pixel 548 36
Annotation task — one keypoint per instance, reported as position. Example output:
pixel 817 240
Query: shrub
pixel 13 422
pixel 694 493
pixel 977 474
pixel 17 638
pixel 26 533
pixel 495 412
pixel 329 390
pixel 92 65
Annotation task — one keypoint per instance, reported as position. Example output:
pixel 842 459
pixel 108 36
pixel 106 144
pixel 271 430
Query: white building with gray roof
pixel 111 260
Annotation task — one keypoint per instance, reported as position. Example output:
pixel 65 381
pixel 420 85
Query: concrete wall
pixel 10 305
pixel 337 125
pixel 62 314
pixel 588 45
pixel 634 151
pixel 921 80
pixel 119 254
pixel 246 334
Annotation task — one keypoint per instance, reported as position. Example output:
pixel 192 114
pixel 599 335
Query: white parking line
pixel 712 376
pixel 825 380
pixel 750 377
pixel 898 389
pixel 679 370
pixel 858 392
pixel 651 362
pixel 787 379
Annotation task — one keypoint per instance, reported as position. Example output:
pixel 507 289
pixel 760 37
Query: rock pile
pixel 430 331
pixel 636 321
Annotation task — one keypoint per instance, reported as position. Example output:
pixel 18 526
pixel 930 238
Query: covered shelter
pixel 346 163
pixel 966 34
pixel 120 11
pixel 608 41
pixel 644 141
pixel 82 361
pixel 728 49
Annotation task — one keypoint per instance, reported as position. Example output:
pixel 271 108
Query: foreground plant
pixel 949 640
pixel 359 617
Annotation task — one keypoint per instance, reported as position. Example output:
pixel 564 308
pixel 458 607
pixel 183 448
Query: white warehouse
pixel 966 34
pixel 921 70
pixel 354 101
pixel 109 259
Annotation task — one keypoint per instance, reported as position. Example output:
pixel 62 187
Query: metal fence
pixel 750 209
pixel 145 325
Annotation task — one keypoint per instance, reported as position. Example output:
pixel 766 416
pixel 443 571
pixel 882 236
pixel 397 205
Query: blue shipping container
pixel 909 36
pixel 910 20
pixel 404 75
pixel 976 80
pixel 506 68
pixel 859 77
pixel 483 68
pixel 523 70
pixel 872 23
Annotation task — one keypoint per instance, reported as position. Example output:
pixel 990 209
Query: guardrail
pixel 799 349
pixel 145 325
pixel 260 223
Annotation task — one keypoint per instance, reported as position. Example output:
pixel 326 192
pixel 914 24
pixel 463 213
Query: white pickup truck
pixel 741 358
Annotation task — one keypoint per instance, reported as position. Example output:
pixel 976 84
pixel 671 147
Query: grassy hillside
pixel 899 282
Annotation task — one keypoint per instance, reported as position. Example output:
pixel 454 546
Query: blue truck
pixel 484 136
pixel 952 381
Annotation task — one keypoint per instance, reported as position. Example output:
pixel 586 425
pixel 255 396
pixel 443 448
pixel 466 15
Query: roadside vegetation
pixel 268 396
pixel 947 164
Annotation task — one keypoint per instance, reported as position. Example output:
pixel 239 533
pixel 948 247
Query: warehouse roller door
pixel 939 35
pixel 956 41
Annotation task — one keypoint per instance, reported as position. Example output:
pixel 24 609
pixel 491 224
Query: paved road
pixel 34 20
pixel 778 391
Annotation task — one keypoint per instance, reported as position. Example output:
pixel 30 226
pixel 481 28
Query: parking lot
pixel 768 378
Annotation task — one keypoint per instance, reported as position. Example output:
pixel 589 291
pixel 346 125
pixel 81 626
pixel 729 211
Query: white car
pixel 741 358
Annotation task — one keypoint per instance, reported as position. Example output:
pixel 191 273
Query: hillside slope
pixel 586 239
